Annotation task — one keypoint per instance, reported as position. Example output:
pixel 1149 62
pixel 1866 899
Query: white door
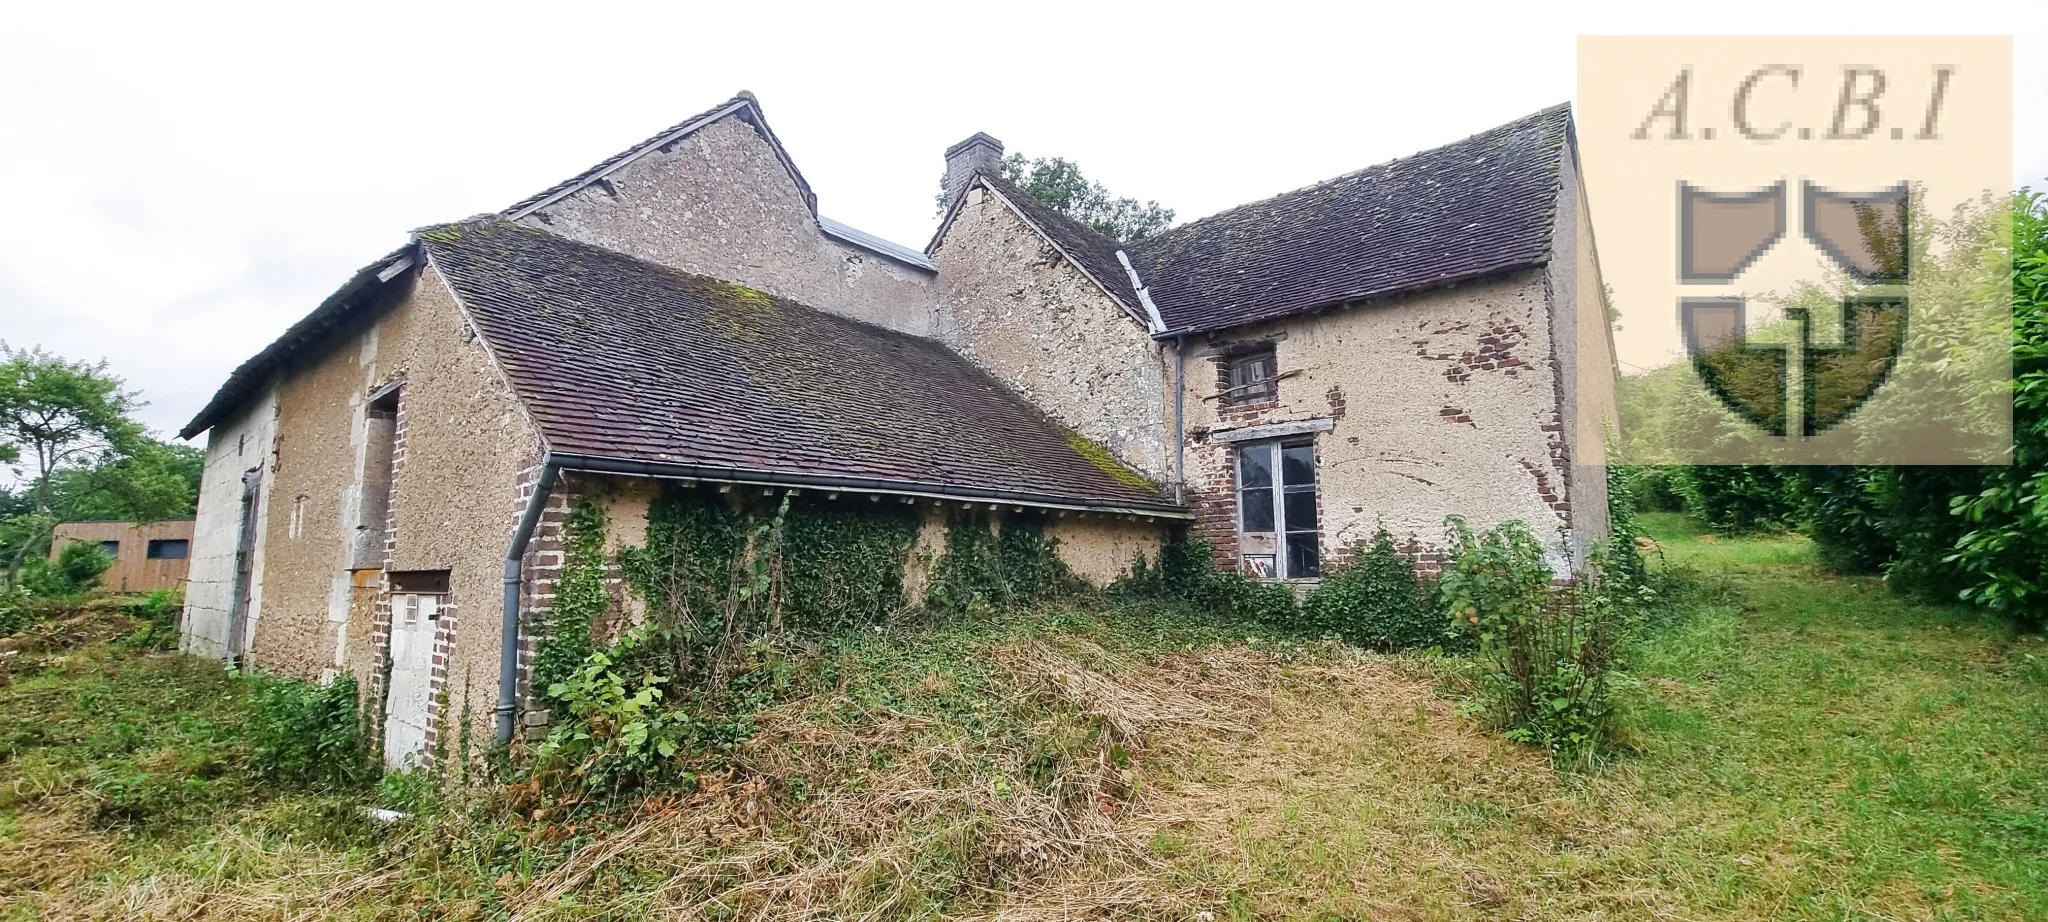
pixel 412 671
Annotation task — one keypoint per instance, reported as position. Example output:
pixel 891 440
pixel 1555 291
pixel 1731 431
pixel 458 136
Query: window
pixel 1252 378
pixel 412 609
pixel 111 549
pixel 1279 536
pixel 168 549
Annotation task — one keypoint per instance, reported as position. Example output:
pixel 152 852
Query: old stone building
pixel 385 485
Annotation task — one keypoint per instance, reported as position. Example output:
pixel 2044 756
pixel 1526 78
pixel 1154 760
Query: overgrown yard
pixel 1799 746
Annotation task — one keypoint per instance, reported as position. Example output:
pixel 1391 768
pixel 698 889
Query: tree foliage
pixel 55 412
pixel 1059 184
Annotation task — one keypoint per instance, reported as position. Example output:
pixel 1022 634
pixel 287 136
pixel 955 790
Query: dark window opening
pixel 1252 378
pixel 374 479
pixel 421 582
pixel 168 549
pixel 111 548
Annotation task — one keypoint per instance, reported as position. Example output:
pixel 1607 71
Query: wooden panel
pixel 133 570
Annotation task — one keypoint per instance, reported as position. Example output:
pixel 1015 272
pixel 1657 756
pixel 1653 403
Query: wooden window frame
pixel 1241 385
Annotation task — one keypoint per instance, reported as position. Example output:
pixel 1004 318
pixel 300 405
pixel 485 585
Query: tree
pixel 60 412
pixel 1058 183
pixel 150 482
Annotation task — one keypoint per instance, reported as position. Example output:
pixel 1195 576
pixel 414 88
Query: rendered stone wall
pixel 1009 303
pixel 720 203
pixel 1586 356
pixel 453 503
pixel 1440 403
pixel 232 448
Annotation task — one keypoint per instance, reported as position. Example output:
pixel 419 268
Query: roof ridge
pixel 1141 243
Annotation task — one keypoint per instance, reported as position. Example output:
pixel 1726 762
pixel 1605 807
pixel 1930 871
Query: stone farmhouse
pixel 386 484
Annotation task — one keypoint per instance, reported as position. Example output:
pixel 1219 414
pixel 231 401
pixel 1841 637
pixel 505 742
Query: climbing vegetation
pixel 984 567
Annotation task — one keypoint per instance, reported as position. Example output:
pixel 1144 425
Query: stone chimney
pixel 978 153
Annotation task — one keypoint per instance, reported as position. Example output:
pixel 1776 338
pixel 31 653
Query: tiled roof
pixel 1476 207
pixel 622 359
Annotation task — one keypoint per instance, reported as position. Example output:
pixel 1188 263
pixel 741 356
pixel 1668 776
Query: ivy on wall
pixel 724 574
pixel 986 567
pixel 580 597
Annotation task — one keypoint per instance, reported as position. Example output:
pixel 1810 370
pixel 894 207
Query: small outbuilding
pixel 147 555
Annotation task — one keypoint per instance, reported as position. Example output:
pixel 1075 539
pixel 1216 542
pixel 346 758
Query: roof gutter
pixel 675 471
pixel 515 563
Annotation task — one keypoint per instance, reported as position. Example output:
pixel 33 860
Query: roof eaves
pixel 1358 300
pixel 324 318
pixel 920 489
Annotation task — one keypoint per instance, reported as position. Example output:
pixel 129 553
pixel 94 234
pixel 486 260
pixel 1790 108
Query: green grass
pixel 1798 746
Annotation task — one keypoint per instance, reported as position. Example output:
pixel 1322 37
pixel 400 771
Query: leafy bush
pixel 1624 560
pixel 15 612
pixel 304 733
pixel 1187 573
pixel 1546 653
pixel 76 571
pixel 159 611
pixel 1657 488
pixel 1740 498
pixel 1845 513
pixel 1376 601
pixel 1954 532
pixel 613 727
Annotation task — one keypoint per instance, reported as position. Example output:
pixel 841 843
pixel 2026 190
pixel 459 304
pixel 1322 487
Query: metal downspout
pixel 1180 422
pixel 515 559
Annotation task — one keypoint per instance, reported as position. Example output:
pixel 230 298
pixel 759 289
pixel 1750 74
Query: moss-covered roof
pixel 623 359
pixel 1469 209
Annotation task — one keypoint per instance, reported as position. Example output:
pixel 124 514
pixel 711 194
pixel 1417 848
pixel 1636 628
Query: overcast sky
pixel 189 179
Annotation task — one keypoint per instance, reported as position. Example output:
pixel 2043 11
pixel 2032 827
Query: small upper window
pixel 111 548
pixel 1253 378
pixel 168 549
